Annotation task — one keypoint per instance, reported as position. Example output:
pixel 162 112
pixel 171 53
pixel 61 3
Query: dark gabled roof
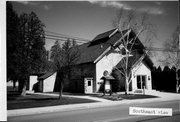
pixel 103 35
pixel 131 61
pixel 148 62
pixel 101 38
pixel 134 60
pixel 92 50
pixel 48 74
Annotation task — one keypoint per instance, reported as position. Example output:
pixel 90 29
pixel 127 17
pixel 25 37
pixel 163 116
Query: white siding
pixel 106 63
pixel 141 70
pixel 10 83
pixel 33 80
pixel 48 84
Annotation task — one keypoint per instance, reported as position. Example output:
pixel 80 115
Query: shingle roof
pixel 103 37
pixel 131 61
pixel 148 62
pixel 92 50
pixel 135 59
pixel 48 74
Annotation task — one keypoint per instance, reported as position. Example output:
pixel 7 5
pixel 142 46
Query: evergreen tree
pixel 12 42
pixel 26 53
pixel 31 50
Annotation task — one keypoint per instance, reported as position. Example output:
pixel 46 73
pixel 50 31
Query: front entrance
pixel 141 81
pixel 88 85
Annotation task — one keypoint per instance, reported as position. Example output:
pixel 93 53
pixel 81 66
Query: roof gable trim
pixel 122 37
pixel 101 56
pixel 113 33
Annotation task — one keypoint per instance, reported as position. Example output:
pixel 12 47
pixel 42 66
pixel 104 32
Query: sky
pixel 86 19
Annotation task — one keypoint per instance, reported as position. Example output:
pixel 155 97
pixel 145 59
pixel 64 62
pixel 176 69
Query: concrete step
pixel 138 91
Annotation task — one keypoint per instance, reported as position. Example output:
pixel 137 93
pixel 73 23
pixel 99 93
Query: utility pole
pixel 177 74
pixel 179 22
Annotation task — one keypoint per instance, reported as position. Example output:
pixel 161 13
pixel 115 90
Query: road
pixel 116 113
pixel 174 118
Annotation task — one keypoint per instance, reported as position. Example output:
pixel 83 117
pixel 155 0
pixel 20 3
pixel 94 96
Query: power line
pixel 55 39
pixel 146 48
pixel 61 39
pixel 65 36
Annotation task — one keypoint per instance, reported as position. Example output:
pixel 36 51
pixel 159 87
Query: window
pixel 141 81
pixel 89 83
pixel 138 79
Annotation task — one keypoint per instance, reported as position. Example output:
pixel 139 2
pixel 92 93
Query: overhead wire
pixel 63 37
pixel 58 35
pixel 54 37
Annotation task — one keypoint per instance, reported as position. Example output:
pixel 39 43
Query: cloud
pixel 158 3
pixel 122 5
pixel 152 10
pixel 113 4
pixel 46 7
pixel 34 3
pixel 28 3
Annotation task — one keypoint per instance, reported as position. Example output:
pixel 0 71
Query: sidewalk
pixel 162 96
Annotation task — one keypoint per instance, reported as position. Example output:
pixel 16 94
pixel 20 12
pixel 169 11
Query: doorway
pixel 88 85
pixel 141 81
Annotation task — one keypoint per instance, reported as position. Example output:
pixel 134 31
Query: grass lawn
pixel 117 97
pixel 15 101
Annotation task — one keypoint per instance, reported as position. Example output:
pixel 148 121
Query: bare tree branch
pixel 140 25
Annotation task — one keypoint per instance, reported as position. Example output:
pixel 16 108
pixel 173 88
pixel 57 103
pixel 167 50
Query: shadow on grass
pixel 32 101
pixel 118 97
pixel 36 99
pixel 74 94
pixel 12 95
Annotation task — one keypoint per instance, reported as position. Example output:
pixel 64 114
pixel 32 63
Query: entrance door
pixel 141 81
pixel 88 85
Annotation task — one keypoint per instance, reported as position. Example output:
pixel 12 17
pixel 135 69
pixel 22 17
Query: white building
pixel 98 56
pixel 44 83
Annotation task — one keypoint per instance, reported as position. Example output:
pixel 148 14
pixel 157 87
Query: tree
pixel 118 84
pixel 140 23
pixel 172 56
pixel 64 59
pixel 12 43
pixel 56 54
pixel 137 25
pixel 166 78
pixel 31 50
